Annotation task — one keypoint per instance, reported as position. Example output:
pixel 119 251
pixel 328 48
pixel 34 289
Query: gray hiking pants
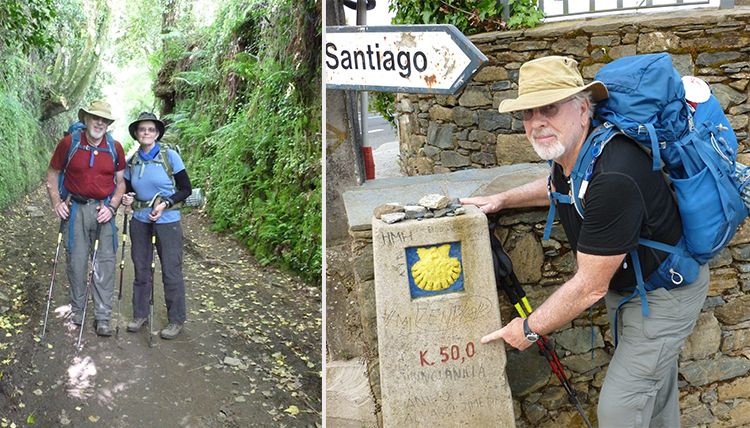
pixel 640 389
pixel 169 248
pixel 78 257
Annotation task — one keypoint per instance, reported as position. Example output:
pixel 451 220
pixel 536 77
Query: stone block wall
pixel 441 134
pixel 444 133
pixel 714 364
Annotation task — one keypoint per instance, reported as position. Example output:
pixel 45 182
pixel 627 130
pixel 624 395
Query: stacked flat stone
pixel 430 206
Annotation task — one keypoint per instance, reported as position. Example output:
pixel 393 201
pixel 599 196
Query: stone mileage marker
pixel 436 297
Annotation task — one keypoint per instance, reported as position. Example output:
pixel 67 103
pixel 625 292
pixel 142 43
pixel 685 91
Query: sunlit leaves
pixel 27 23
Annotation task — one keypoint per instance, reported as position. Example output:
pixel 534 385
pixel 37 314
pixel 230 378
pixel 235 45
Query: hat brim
pixel 543 98
pixel 83 112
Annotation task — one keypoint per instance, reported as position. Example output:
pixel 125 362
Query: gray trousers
pixel 169 248
pixel 640 389
pixel 78 257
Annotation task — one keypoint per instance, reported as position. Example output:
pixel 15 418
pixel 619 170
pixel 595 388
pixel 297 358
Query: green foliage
pixel 22 159
pixel 469 16
pixel 83 33
pixel 524 13
pixel 248 109
pixel 27 24
pixel 384 103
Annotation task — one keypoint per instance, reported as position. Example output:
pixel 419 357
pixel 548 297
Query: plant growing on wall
pixel 469 16
pixel 384 103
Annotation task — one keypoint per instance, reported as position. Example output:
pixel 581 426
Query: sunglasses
pixel 95 118
pixel 549 111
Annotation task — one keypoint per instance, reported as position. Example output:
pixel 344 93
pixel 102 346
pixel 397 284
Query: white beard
pixel 96 134
pixel 550 151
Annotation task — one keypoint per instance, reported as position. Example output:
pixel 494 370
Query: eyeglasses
pixel 149 130
pixel 95 118
pixel 549 111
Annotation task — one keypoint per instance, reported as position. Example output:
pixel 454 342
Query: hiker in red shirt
pixel 85 183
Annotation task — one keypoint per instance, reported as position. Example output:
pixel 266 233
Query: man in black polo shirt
pixel 626 200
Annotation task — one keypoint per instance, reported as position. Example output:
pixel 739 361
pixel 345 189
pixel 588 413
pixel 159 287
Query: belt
pixel 84 200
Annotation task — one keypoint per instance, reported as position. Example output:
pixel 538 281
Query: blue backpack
pixel 75 130
pixel 697 146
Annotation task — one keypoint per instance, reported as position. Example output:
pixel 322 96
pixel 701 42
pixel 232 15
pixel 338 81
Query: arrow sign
pixel 419 59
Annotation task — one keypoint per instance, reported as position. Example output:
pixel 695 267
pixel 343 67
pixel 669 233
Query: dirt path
pixel 249 356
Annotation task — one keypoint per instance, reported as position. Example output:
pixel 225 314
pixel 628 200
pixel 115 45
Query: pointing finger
pixel 493 336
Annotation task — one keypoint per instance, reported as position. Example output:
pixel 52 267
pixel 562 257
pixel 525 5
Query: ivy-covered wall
pixel 246 103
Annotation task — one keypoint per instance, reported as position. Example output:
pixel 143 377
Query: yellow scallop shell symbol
pixel 436 270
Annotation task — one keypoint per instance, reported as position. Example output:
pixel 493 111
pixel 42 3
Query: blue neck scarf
pixel 151 155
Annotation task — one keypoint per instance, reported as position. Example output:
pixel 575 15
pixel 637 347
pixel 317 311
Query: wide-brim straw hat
pixel 548 80
pixel 97 108
pixel 144 116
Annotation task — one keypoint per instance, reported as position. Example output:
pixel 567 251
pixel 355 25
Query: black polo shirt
pixel 625 200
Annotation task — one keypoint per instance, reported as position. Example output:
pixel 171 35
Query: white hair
pixel 578 100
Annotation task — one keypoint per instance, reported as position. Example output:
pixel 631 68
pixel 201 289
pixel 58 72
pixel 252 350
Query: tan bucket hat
pixel 548 80
pixel 97 108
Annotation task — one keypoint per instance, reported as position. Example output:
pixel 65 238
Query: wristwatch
pixel 530 335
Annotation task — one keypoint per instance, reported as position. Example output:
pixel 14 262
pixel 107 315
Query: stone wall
pixel 714 364
pixel 447 133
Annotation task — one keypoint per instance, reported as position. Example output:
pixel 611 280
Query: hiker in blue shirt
pixel 156 192
pixel 626 200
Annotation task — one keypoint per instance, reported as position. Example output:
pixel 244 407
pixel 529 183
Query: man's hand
pixel 533 194
pixel 512 333
pixel 62 211
pixel 104 215
pixel 488 204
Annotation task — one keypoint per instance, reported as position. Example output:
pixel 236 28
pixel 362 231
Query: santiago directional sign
pixel 427 59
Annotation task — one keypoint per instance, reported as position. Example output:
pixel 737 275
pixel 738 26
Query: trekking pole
pixel 88 285
pixel 503 275
pixel 54 273
pixel 151 299
pixel 122 268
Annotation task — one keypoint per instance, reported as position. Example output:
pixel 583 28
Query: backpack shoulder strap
pixel 75 141
pixel 112 149
pixel 581 173
pixel 165 159
pixel 161 157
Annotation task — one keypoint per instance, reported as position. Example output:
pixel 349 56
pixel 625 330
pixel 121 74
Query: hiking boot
pixel 171 331
pixel 77 318
pixel 136 325
pixel 102 327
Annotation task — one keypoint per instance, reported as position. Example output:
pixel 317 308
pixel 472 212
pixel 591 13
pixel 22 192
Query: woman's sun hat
pixel 144 116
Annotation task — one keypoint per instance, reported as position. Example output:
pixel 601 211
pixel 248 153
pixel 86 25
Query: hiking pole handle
pixel 129 208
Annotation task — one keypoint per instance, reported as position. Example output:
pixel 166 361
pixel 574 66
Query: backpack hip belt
pixel 84 200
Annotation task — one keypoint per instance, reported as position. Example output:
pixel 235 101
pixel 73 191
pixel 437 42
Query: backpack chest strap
pixel 93 150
